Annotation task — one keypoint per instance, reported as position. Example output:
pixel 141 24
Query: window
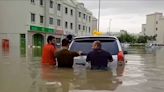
pixel 86 28
pixel 51 20
pixel 66 24
pixel 89 29
pixel 84 16
pixel 51 4
pixel 79 14
pixel 32 17
pixel 41 19
pixel 83 27
pixel 59 7
pixel 58 40
pixel 156 22
pixel 32 1
pixel 79 27
pixel 66 10
pixel 41 2
pixel 58 22
pixel 89 18
pixel 86 45
pixel 156 29
pixel 23 44
pixel 71 25
pixel 71 12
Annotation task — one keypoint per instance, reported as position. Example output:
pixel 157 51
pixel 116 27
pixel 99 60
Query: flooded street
pixel 144 72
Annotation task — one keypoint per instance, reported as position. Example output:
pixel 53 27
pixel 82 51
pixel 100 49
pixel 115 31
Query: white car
pixel 109 43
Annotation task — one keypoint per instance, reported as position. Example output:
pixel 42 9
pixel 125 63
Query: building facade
pixel 94 24
pixel 154 27
pixel 83 20
pixel 160 32
pixel 143 29
pixel 73 18
pixel 28 23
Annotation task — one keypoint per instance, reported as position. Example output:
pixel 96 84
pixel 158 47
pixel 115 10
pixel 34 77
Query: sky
pixel 116 15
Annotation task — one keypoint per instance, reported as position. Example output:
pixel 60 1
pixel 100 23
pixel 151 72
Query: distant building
pixel 152 21
pixel 66 15
pixel 160 31
pixel 154 27
pixel 143 29
pixel 94 23
pixel 83 20
pixel 123 32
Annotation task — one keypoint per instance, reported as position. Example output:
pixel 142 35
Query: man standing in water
pixel 64 56
pixel 49 50
pixel 98 57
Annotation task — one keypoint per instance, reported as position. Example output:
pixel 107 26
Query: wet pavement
pixel 144 72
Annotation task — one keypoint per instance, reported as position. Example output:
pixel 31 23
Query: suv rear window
pixel 86 45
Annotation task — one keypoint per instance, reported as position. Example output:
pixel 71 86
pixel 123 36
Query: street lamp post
pixel 99 16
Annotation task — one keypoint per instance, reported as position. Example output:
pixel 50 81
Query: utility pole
pixel 99 16
pixel 110 20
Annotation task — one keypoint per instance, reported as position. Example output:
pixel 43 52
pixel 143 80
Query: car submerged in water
pixel 109 43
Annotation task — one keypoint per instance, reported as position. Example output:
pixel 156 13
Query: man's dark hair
pixel 98 44
pixel 50 38
pixel 65 42
pixel 69 37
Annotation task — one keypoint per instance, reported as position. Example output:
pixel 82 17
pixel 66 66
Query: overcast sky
pixel 123 14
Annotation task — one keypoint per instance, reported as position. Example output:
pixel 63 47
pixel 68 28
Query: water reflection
pixel 65 80
pixel 135 71
pixel 5 51
pixel 37 52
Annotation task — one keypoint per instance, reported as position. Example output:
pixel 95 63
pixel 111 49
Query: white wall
pixel 94 23
pixel 15 19
pixel 13 22
pixel 151 24
pixel 160 32
pixel 67 17
pixel 143 29
pixel 44 10
pixel 13 16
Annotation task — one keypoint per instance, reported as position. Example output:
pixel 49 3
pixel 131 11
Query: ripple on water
pixel 134 82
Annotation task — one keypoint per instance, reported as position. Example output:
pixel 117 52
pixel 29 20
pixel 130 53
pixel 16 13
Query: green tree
pixel 127 38
pixel 142 39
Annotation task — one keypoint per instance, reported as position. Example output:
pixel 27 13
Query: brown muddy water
pixel 144 72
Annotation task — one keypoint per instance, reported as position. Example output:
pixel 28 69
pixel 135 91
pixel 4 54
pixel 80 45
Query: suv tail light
pixel 120 57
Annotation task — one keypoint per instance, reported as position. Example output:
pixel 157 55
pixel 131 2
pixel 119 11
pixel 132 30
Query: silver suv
pixel 109 43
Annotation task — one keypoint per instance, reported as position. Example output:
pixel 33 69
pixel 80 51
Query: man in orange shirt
pixel 49 50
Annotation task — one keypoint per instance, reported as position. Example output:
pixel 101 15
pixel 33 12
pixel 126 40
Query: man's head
pixel 96 45
pixel 69 37
pixel 65 42
pixel 51 40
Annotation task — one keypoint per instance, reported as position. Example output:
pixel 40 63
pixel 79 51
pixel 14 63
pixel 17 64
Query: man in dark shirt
pixel 98 57
pixel 64 56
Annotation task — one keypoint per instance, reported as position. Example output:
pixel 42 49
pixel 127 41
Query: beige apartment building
pixel 154 26
pixel 27 23
pixel 83 20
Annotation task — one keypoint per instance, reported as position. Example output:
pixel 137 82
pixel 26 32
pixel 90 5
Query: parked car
pixel 109 43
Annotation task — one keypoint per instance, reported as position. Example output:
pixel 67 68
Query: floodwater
pixel 20 72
